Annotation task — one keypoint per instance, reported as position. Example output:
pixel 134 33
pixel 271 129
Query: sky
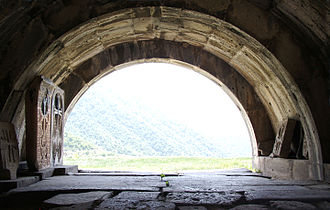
pixel 182 94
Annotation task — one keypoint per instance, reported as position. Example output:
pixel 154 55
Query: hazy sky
pixel 181 94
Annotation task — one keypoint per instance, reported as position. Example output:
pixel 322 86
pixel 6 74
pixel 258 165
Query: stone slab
pixel 250 207
pixel 8 151
pixel 115 204
pixel 81 206
pixel 101 183
pixel 86 172
pixel 193 208
pixel 43 174
pixel 133 199
pixel 222 199
pixel 141 196
pixel 254 188
pixel 291 205
pixel 77 198
pixel 6 185
pixel 298 195
pixel 65 170
pixel 203 190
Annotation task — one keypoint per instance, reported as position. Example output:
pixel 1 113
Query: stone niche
pixel 44 124
pixel 8 151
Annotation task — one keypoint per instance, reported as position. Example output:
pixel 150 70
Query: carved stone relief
pixel 57 127
pixel 38 123
pixel 8 151
pixel 44 124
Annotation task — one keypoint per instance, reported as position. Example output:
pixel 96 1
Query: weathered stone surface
pixel 324 205
pixel 71 86
pixel 326 168
pixel 283 168
pixel 192 208
pixel 38 123
pixel 57 126
pixel 287 195
pixel 223 198
pixel 136 200
pixel 45 121
pixel 294 205
pixel 89 205
pixel 141 196
pixel 250 207
pixel 9 157
pixel 102 183
pixel 6 185
pixel 210 190
pixel 42 174
pixel 65 169
pixel 284 138
pixel 135 204
pixel 77 198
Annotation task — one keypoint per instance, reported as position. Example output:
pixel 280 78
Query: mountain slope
pixel 114 121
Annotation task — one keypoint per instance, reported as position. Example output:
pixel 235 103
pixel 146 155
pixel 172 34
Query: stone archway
pixel 272 84
pixel 238 89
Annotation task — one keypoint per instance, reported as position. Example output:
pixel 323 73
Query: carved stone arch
pixel 273 85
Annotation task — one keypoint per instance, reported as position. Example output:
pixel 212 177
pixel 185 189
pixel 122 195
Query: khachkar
pixel 44 124
pixel 57 126
pixel 8 151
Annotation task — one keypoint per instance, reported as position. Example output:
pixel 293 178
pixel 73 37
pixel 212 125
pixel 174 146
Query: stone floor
pixel 234 189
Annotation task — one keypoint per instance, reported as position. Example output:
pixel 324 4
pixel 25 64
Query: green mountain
pixel 107 120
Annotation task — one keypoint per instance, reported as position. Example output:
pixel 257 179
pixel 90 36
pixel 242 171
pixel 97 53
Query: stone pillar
pixel 57 127
pixel 38 123
pixel 8 151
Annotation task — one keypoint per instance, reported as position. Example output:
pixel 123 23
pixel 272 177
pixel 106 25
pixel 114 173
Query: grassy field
pixel 158 164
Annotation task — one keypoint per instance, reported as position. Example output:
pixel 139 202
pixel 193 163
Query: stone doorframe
pixel 271 82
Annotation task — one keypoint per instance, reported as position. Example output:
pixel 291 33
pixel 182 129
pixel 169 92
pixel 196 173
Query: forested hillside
pixel 106 121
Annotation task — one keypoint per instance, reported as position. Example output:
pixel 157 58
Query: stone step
pixel 6 185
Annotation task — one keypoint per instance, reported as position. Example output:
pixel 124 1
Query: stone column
pixel 8 151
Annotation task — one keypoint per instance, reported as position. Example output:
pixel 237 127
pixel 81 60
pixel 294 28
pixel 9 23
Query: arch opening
pixel 77 58
pixel 177 116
